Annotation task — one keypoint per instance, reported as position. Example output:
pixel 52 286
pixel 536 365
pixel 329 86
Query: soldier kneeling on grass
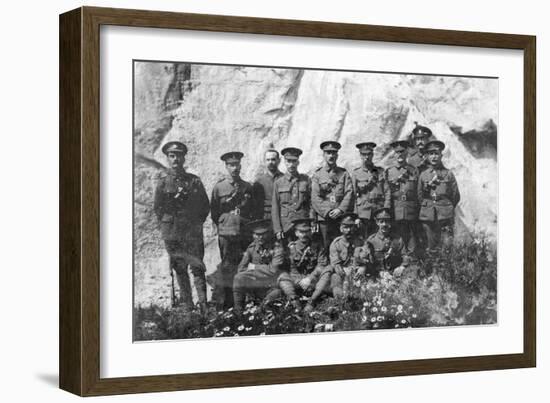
pixel 260 265
pixel 383 251
pixel 309 272
pixel 342 251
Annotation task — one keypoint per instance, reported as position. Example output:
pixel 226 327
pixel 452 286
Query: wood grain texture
pixel 70 273
pixel 80 200
pixel 530 202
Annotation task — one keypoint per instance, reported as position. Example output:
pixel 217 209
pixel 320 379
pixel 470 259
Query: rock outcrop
pixel 214 109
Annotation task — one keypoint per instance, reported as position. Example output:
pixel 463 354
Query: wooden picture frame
pixel 80 187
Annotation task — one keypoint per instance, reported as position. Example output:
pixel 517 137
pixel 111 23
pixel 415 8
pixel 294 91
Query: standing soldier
pixel 181 206
pixel 342 252
pixel 438 195
pixel 383 250
pixel 263 185
pixel 309 272
pixel 371 190
pixel 231 209
pixel 331 192
pixel 291 195
pixel 260 265
pixel 420 137
pixel 402 180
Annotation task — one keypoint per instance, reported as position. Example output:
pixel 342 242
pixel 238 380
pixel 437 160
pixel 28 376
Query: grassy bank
pixel 456 286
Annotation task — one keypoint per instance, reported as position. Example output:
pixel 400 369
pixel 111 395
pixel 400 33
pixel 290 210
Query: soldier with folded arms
pixel 438 195
pixel 181 206
pixel 371 190
pixel 232 207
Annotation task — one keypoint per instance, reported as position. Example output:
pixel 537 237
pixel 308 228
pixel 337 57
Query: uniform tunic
pixel 291 200
pixel 387 252
pixel 403 182
pixel 331 188
pixel 438 194
pixel 181 206
pixel 371 191
pixel 305 258
pixel 263 193
pixel 231 205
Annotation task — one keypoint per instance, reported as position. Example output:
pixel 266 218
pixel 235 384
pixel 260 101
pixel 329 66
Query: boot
pixel 322 285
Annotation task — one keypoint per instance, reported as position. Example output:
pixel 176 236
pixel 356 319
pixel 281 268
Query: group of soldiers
pixel 288 235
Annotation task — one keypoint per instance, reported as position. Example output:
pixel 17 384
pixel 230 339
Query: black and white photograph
pixel 272 200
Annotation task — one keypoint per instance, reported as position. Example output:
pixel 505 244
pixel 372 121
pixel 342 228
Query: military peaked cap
pixel 348 219
pixel 260 226
pixel 291 152
pixel 330 145
pixel 302 224
pixel 232 156
pixel 421 131
pixel 435 145
pixel 383 212
pixel 399 145
pixel 174 147
pixel 365 146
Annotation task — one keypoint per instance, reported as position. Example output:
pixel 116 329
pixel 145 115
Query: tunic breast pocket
pixel 362 185
pixel 325 188
pixel 284 194
pixel 339 189
pixel 410 185
pixel 170 187
pixel 443 187
pixel 167 218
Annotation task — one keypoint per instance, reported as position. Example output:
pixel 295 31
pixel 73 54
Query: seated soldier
pixel 260 265
pixel 309 272
pixel 383 250
pixel 342 251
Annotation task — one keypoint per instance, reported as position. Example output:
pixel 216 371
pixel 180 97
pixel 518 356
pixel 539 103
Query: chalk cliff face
pixel 214 109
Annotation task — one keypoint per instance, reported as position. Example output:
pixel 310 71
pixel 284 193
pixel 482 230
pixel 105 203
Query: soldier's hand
pixel 332 214
pixel 336 213
pixel 251 266
pixel 304 283
pixel 280 235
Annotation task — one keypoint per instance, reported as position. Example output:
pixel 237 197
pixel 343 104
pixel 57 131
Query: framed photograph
pixel 279 201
